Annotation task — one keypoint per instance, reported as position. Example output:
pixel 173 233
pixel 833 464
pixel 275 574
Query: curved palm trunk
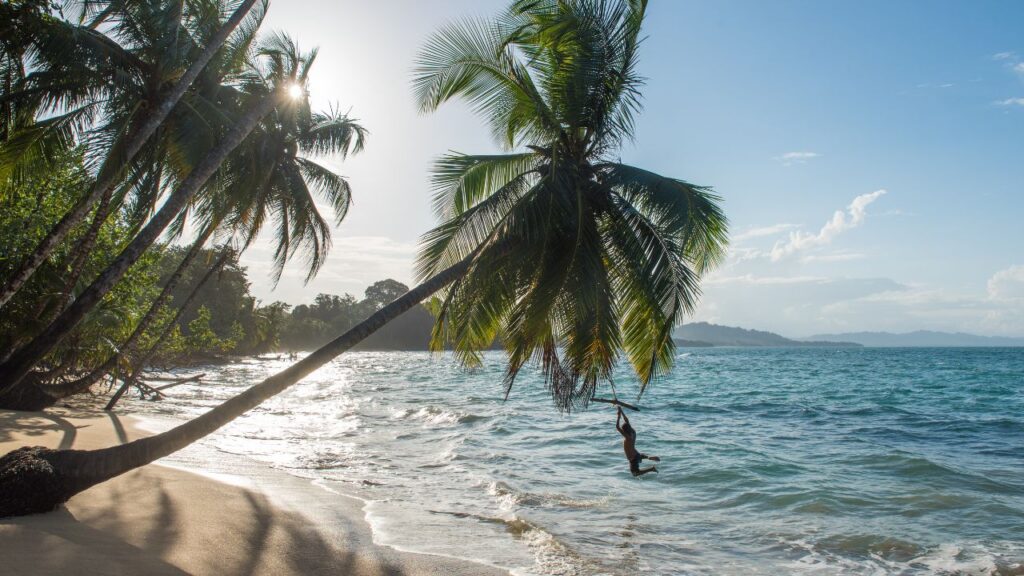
pixel 36 479
pixel 83 250
pixel 138 365
pixel 165 293
pixel 111 172
pixel 44 395
pixel 22 361
pixel 27 395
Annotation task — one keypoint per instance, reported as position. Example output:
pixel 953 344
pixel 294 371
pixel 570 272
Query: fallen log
pixel 195 378
pixel 126 384
pixel 147 389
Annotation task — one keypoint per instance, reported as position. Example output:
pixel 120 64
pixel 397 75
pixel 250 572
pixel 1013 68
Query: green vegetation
pixel 311 326
pixel 27 208
pixel 576 260
pixel 127 125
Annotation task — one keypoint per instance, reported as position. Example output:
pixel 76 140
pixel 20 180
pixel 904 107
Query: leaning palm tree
pixel 573 257
pixel 78 68
pixel 256 100
pixel 273 176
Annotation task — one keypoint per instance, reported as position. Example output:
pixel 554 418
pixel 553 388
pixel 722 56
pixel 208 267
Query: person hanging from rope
pixel 629 446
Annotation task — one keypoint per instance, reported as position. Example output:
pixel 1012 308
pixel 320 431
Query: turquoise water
pixel 774 461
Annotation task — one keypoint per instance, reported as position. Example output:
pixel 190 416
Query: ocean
pixel 773 461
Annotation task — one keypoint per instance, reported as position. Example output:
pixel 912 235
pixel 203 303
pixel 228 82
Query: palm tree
pixel 58 43
pixel 135 367
pixel 257 99
pixel 272 175
pixel 573 256
pixel 275 176
pixel 608 256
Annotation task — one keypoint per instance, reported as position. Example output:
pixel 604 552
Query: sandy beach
pixel 162 520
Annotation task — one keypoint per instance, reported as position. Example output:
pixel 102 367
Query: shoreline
pixel 181 517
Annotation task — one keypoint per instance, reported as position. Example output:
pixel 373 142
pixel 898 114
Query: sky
pixel 870 155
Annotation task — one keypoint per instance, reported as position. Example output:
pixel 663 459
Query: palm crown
pixel 94 78
pixel 578 259
pixel 275 173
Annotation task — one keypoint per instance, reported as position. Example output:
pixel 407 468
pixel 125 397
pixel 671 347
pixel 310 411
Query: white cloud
pixel 1011 102
pixel 936 309
pixel 836 257
pixel 1019 67
pixel 805 305
pixel 354 263
pixel 841 221
pixel 1007 284
pixel 762 231
pixel 1004 56
pixel 796 157
pixel 789 305
pixel 764 280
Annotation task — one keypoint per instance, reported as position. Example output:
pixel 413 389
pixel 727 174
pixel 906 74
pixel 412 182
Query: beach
pixel 773 461
pixel 162 520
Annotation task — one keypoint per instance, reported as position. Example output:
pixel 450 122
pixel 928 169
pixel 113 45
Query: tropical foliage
pixel 183 122
pixel 26 210
pixel 572 257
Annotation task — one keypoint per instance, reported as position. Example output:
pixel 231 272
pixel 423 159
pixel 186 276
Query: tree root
pixel 30 483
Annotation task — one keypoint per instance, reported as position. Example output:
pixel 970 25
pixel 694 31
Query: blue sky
pixel 870 154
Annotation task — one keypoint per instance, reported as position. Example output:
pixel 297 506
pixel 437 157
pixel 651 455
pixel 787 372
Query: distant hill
pixel 920 338
pixel 702 334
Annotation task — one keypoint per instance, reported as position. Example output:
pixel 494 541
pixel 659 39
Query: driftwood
pixel 171 378
pixel 147 389
pixel 615 402
pixel 195 378
pixel 144 388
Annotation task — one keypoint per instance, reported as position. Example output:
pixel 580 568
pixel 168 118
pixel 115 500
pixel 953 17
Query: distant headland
pixel 703 335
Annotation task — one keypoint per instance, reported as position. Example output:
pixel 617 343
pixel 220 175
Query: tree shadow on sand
pixel 147 525
pixel 37 424
pixel 164 521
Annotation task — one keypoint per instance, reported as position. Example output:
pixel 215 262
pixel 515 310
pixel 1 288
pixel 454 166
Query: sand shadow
pixel 148 524
pixel 39 424
pixel 57 543
pixel 122 436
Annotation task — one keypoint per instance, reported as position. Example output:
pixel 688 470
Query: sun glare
pixel 295 91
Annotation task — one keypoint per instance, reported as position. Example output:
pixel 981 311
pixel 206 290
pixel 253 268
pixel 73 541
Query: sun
pixel 295 91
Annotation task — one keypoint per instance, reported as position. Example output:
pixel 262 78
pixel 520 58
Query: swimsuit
pixel 634 462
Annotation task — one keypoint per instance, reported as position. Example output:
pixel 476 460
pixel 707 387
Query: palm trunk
pixel 47 395
pixel 129 345
pixel 82 252
pixel 115 163
pixel 22 361
pixel 36 479
pixel 138 365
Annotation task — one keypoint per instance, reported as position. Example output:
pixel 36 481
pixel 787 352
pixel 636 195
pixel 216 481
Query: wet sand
pixel 165 520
